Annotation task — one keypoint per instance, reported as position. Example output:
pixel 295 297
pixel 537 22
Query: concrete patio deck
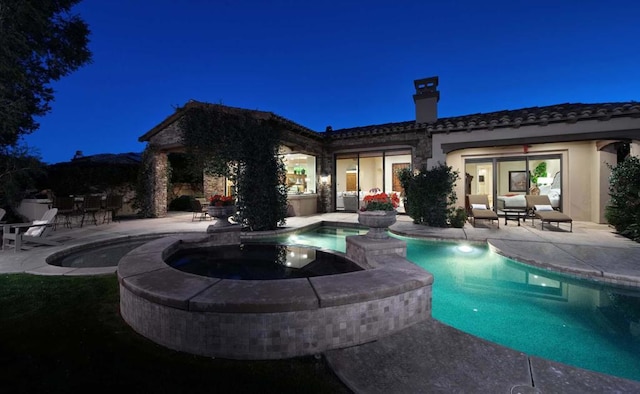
pixel 429 356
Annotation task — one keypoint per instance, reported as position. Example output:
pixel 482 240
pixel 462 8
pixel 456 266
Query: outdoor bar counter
pixel 303 204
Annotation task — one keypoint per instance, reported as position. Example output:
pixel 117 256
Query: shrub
pixel 19 170
pixel 623 210
pixel 430 194
pixel 86 177
pixel 459 217
pixel 182 203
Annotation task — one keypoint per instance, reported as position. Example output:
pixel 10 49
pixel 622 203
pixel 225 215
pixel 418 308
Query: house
pixel 562 150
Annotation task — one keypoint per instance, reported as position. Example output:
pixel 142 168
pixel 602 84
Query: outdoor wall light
pixel 324 179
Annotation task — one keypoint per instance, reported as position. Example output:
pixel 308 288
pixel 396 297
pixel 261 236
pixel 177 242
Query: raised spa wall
pixel 271 319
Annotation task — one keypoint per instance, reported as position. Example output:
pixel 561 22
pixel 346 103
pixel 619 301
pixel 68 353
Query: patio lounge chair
pixel 36 232
pixel 542 209
pixel 478 205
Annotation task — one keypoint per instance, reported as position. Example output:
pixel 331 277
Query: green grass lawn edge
pixel 62 334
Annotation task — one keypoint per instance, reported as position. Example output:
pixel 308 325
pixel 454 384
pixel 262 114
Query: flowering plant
pixel 381 202
pixel 221 201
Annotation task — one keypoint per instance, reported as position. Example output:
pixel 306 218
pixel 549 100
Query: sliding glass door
pixel 479 178
pixel 362 173
pixel 506 180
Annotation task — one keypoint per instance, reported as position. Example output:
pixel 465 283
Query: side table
pixel 514 214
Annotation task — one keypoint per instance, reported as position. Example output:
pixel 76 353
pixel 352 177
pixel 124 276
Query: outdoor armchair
pixel 66 209
pixel 199 212
pixel 91 206
pixel 112 204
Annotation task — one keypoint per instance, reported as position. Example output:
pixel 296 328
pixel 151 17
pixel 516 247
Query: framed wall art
pixel 518 181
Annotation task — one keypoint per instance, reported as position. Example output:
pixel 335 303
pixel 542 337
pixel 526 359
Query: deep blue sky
pixel 340 63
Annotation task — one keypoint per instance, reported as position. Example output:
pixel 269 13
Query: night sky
pixel 339 63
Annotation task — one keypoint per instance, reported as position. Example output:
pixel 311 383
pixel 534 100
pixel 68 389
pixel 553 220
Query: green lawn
pixel 63 334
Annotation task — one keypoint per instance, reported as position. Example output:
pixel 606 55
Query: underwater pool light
pixel 464 248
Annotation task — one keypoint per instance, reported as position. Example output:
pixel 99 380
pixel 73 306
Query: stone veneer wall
pixel 159 165
pixel 270 319
pixel 213 185
pixel 170 136
pixel 274 335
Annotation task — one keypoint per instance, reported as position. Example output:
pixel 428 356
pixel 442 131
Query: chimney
pixel 426 99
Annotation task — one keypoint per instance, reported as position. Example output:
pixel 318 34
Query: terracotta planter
pixel 222 214
pixel 378 222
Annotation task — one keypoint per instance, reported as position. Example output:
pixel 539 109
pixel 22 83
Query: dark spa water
pixel 260 262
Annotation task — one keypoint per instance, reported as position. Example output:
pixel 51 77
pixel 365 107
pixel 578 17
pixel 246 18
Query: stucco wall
pixel 600 186
pixel 581 188
pixel 635 148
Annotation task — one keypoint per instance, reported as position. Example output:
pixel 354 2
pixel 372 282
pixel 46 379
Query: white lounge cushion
pixel 36 230
pixel 478 206
pixel 543 208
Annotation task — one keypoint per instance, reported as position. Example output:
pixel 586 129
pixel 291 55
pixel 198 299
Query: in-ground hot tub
pixel 260 262
pixel 270 319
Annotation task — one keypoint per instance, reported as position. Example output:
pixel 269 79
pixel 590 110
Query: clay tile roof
pixel 542 116
pixel 567 112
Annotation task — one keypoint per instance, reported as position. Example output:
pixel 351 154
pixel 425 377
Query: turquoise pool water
pixel 539 313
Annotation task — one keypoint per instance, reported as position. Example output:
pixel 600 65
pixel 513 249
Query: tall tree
pixel 40 42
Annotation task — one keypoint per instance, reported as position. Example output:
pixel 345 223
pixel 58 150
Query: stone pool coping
pixel 271 319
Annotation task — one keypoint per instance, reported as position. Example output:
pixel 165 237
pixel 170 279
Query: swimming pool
pixel 548 315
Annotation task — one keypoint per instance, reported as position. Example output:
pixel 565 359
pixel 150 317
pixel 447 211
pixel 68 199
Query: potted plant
pixel 221 207
pixel 539 172
pixel 378 213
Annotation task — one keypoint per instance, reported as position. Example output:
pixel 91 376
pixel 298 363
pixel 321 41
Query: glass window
pixel 370 175
pixel 509 179
pixel 301 173
pixel 546 178
pixel 394 162
pixel 512 177
pixel 358 174
pixel 479 178
pixel 346 181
